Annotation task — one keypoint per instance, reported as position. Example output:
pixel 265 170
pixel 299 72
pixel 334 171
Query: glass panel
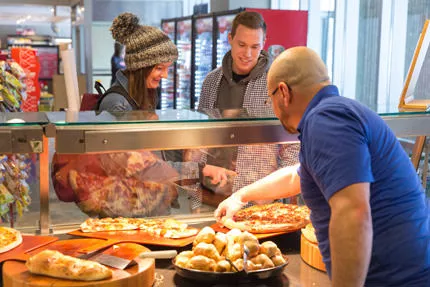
pixel 224 27
pixel 203 53
pixel 143 184
pixel 328 16
pixel 22 119
pixel 418 12
pixel 90 117
pixel 168 85
pixel 183 65
pixel 368 52
pixel 19 191
pixel 174 116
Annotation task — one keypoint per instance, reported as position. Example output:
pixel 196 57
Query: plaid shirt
pixel 253 161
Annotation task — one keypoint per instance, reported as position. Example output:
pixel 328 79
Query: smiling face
pixel 245 48
pixel 159 72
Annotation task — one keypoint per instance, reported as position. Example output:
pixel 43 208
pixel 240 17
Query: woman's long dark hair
pixel 144 97
pixel 118 49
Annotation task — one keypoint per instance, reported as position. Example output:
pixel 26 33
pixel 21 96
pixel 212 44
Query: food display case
pixel 81 137
pixel 82 133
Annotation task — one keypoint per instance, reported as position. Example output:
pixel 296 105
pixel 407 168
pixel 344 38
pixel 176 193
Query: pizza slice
pixel 58 265
pixel 107 224
pixel 90 191
pixel 9 239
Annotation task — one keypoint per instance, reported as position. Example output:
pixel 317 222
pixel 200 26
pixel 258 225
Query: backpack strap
pixel 117 89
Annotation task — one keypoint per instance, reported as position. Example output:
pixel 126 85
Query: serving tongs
pixel 245 258
pixel 122 263
pixel 245 261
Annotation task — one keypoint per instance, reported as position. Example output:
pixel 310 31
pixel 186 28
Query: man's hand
pixel 218 174
pixel 229 207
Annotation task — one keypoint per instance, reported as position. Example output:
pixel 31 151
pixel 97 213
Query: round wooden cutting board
pixel 142 274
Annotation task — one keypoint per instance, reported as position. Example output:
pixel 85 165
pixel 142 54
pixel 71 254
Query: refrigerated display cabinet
pixel 183 64
pixel 224 23
pixel 203 53
pixel 168 85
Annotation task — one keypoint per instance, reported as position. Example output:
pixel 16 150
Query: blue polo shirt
pixel 344 142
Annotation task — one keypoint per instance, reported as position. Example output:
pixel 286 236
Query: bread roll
pixel 220 242
pixel 246 236
pixel 58 265
pixel 239 264
pixel 264 260
pixel 234 252
pixel 269 248
pixel 234 235
pixel 278 260
pixel 200 262
pixel 206 235
pixel 207 250
pixel 186 254
pixel 181 261
pixel 223 266
pixel 253 247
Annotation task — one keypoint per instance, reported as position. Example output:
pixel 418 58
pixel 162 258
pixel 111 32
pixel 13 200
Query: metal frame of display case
pixel 165 136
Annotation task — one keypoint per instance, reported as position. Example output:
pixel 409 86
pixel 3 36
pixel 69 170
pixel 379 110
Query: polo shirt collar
pixel 327 91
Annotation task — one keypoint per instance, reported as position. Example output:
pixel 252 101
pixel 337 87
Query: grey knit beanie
pixel 145 46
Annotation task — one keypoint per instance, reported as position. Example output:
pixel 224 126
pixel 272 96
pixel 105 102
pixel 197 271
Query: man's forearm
pixel 282 183
pixel 350 246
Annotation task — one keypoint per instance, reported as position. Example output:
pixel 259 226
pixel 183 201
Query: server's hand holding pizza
pixel 229 207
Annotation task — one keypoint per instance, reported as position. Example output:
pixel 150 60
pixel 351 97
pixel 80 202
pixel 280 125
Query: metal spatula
pixel 122 263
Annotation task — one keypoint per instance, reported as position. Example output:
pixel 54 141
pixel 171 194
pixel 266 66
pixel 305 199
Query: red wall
pixel 288 28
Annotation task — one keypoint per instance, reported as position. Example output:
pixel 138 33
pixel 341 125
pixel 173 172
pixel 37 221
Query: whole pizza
pixel 9 239
pixel 268 218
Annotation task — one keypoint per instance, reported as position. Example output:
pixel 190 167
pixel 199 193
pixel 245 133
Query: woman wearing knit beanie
pixel 148 54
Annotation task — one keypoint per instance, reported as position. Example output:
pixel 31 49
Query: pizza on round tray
pixel 9 239
pixel 167 228
pixel 269 218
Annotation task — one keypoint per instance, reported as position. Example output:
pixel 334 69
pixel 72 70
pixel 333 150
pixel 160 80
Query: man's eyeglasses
pixel 268 102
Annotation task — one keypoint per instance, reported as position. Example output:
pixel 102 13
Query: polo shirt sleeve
pixel 337 151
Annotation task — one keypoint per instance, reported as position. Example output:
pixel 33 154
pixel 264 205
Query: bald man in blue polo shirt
pixel 367 205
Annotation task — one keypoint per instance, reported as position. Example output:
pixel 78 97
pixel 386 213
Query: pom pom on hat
pixel 123 26
pixel 145 46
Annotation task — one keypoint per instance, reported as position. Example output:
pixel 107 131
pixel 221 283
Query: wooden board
pixel 135 236
pixel 311 254
pixel 29 242
pixel 143 274
pixel 217 227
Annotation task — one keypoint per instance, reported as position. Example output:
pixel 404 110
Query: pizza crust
pixel 10 244
pixel 259 228
pixel 58 265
